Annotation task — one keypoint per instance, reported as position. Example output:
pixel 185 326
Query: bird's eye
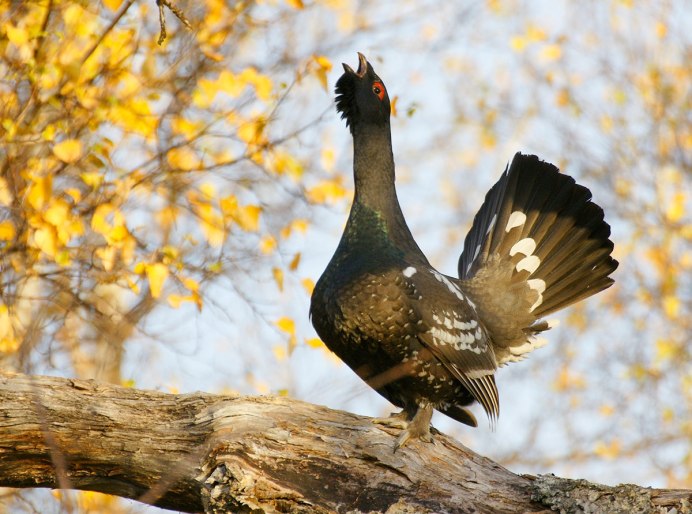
pixel 378 89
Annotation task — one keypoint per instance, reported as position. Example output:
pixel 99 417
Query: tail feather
pixel 537 245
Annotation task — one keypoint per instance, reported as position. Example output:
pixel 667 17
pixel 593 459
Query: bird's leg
pixel 418 427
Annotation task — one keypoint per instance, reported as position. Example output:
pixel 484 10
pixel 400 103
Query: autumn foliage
pixel 185 178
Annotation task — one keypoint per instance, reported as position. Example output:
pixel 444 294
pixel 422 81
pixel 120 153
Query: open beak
pixel 362 67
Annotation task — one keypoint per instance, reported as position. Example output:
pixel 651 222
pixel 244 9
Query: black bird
pixel 428 341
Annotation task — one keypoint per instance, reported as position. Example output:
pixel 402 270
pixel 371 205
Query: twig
pixel 162 19
pixel 113 23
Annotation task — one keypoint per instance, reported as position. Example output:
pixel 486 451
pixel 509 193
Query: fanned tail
pixel 537 244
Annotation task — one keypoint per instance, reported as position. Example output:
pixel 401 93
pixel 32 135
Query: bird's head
pixel 361 97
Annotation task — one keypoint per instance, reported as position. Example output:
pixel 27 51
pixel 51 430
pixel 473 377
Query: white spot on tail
pixel 516 219
pixel 519 352
pixel 529 264
pixel 525 246
pixel 409 272
pixel 537 285
pixel 491 225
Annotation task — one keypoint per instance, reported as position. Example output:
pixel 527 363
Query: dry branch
pixel 194 452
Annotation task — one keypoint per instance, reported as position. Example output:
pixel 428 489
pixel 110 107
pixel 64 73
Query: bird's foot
pixel 411 434
pixel 416 427
pixel 395 420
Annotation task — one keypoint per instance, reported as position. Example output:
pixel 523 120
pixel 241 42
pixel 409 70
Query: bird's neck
pixel 373 170
pixel 373 167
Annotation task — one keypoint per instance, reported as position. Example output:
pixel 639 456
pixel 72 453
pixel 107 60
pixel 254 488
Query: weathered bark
pixel 194 452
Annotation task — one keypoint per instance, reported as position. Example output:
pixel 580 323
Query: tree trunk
pixel 203 452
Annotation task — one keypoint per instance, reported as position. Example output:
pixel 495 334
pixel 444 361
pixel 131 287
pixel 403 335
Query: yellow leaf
pixel 308 285
pixel 62 258
pixel 661 29
pixel 92 179
pixel 286 324
pixel 8 343
pixel 40 191
pixel 278 278
pixel 666 350
pixel 267 244
pixel 185 127
pixel 300 225
pixel 183 158
pixel 191 284
pixel 551 52
pixel 68 151
pixel 90 501
pixel 107 255
pixel 247 217
pixel 5 196
pixel 46 240
pixel 608 451
pixel 488 139
pixel 7 230
pixel 314 342
pixel 324 66
pixel 327 190
pixel 113 5
pixel 174 300
pixel 167 216
pixel 134 115
pixel 392 106
pixel 568 380
pixel 607 124
pixel 676 209
pixel 671 306
pixel 323 62
pixel 562 97
pixel 252 132
pixel 208 190
pixel 57 213
pixel 606 410
pixel 262 83
pixel 296 4
pixel 74 193
pixel 327 159
pixel 157 274
pixel 518 43
pixel 230 84
pixel 204 94
pixel 99 223
pixel 535 34
pixel 280 352
pixel 212 224
pixel 17 35
pixel 287 164
pixel 134 287
pixel 294 262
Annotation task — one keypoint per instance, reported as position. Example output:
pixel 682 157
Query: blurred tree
pixel 141 179
pixel 609 101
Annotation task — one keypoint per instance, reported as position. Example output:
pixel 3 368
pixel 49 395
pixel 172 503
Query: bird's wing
pixel 449 329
